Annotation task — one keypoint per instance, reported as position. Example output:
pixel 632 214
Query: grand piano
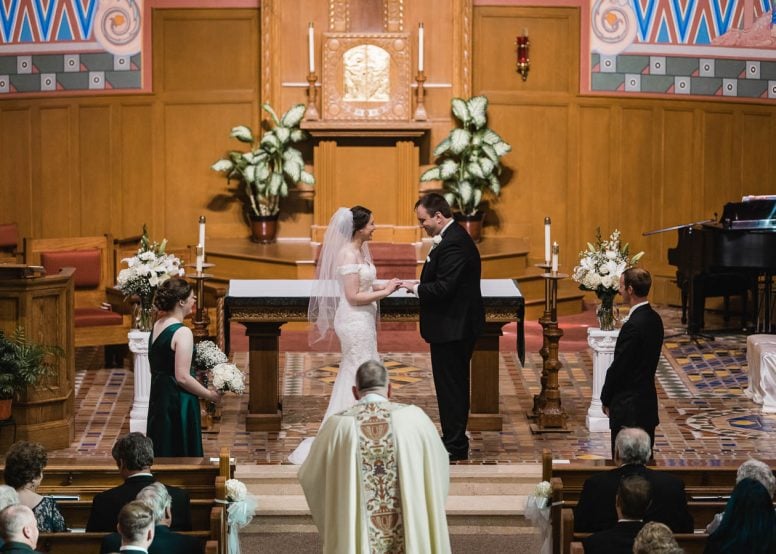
pixel 728 257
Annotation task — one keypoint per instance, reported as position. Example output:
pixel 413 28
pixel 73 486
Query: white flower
pixel 543 489
pixel 437 239
pixel 236 491
pixel 227 377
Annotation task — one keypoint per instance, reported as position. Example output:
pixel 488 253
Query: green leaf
pixel 269 140
pixel 249 173
pixel 459 140
pixel 447 169
pixel 283 190
pixel 275 182
pixel 487 166
pixel 293 116
pixel 242 133
pixel 451 198
pixel 495 185
pixel 298 135
pixel 262 172
pixel 489 136
pixel 478 107
pixel 222 165
pixel 477 198
pixel 502 148
pixel 442 147
pixel 490 152
pixel 283 134
pixel 460 110
pixel 307 178
pixel 475 169
pixel 293 169
pixel 430 175
pixel 267 108
pixel 465 191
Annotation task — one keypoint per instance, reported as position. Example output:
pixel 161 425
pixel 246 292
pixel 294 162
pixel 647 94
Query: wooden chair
pixel 98 321
pixel 10 251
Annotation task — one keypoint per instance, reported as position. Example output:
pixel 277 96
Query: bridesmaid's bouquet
pixel 227 377
pixel 207 356
pixel 213 367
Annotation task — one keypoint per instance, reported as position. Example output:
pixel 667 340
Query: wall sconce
pixel 523 61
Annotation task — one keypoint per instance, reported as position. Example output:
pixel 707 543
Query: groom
pixel 451 315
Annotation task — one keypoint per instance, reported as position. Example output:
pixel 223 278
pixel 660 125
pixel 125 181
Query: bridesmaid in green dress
pixel 173 407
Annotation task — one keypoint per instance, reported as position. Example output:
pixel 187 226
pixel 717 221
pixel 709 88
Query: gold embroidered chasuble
pixel 376 481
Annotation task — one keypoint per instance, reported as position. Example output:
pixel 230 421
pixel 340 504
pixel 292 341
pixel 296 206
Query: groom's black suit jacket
pixel 449 291
pixel 629 389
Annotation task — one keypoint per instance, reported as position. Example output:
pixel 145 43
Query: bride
pixel 344 297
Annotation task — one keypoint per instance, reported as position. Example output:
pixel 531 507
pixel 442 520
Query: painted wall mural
pixel 724 48
pixel 71 46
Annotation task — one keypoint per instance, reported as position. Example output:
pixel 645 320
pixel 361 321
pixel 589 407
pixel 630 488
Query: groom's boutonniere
pixel 434 242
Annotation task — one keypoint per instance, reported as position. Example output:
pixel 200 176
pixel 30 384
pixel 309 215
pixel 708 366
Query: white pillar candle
pixel 547 243
pixel 199 258
pixel 555 252
pixel 202 234
pixel 311 47
pixel 420 47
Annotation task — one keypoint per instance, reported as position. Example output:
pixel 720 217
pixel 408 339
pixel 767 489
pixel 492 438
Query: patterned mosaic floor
pixel 705 417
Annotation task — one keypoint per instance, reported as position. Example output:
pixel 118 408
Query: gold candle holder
pixel 311 113
pixel 420 107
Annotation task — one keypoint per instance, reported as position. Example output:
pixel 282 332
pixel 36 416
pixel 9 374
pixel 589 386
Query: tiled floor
pixel 705 418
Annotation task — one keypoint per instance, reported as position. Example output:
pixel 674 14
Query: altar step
pixel 483 498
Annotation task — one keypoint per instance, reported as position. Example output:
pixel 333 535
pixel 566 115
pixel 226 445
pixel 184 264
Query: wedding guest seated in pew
pixel 157 499
pixel 752 469
pixel 749 523
pixel 596 511
pixel 633 496
pixel 136 527
pixel 656 538
pixel 18 529
pixel 8 497
pixel 24 465
pixel 134 456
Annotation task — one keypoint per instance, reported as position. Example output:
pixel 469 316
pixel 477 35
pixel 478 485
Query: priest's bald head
pixel 372 378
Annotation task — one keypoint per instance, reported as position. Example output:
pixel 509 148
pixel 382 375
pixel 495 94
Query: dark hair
pixel 135 450
pixel 361 217
pixel 639 279
pixel 170 292
pixel 23 463
pixel 749 522
pixel 433 203
pixel 635 494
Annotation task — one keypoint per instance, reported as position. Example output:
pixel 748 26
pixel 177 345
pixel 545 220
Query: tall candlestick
pixel 547 242
pixel 200 258
pixel 202 233
pixel 555 252
pixel 420 47
pixel 311 47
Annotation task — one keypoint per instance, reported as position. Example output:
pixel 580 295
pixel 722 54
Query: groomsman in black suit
pixel 452 315
pixel 629 396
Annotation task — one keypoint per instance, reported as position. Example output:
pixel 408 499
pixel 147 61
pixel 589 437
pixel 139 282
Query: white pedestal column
pixel 602 343
pixel 138 345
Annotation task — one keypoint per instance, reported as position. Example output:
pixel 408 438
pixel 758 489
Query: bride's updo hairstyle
pixel 361 217
pixel 172 291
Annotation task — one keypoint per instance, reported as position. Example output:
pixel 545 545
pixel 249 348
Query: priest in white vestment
pixel 377 476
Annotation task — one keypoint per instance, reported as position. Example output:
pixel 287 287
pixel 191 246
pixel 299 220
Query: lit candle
pixel 547 242
pixel 555 252
pixel 525 31
pixel 311 47
pixel 200 256
pixel 420 47
pixel 202 234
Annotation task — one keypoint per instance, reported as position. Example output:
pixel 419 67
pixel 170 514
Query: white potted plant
pixel 267 169
pixel 469 162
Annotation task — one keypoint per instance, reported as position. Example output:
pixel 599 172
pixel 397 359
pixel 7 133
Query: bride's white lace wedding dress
pixel 355 328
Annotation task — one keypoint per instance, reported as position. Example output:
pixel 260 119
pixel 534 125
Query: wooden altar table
pixel 264 305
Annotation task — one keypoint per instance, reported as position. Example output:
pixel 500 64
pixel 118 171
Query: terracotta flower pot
pixel 5 408
pixel 472 223
pixel 264 228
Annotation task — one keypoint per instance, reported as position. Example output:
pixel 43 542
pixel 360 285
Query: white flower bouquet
pixel 227 378
pixel 601 265
pixel 537 511
pixel 207 356
pixel 236 490
pixel 240 511
pixel 148 269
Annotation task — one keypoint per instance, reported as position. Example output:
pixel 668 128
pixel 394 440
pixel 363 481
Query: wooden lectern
pixel 43 306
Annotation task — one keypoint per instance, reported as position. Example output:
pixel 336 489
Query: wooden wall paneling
pixel 721 175
pixel 95 168
pixel 136 148
pixel 55 191
pixel 758 170
pixel 16 168
pixel 596 202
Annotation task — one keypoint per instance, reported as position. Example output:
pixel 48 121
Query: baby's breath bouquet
pixel 227 378
pixel 145 271
pixel 599 270
pixel 242 506
pixel 537 511
pixel 207 356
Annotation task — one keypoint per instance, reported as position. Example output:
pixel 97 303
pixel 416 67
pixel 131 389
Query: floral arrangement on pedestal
pixel 145 271
pixel 599 270
pixel 240 511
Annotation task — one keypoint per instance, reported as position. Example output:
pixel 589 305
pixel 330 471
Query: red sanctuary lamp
pixel 522 52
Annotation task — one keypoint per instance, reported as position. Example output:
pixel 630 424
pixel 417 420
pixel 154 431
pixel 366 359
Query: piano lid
pixel 757 213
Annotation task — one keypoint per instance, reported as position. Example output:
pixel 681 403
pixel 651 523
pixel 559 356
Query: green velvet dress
pixel 173 413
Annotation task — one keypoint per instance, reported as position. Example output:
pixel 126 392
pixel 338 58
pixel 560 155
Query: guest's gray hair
pixel 633 445
pixel 371 375
pixel 156 498
pixel 760 472
pixel 13 519
pixel 656 538
pixel 8 496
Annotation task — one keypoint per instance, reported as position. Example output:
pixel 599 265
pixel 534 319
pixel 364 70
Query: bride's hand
pixel 409 285
pixel 392 285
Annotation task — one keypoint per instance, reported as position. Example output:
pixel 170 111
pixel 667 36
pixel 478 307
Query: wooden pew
pixel 204 481
pixel 690 543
